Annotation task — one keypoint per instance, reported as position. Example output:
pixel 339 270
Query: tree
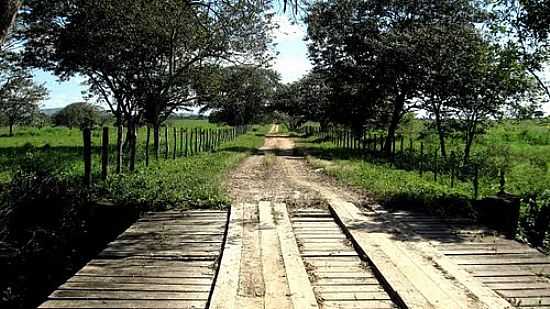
pixel 19 100
pixel 368 50
pixel 19 95
pixel 8 12
pixel 138 56
pixel 304 100
pixel 81 115
pixel 243 94
pixel 525 25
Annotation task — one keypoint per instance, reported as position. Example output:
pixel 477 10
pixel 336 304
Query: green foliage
pixel 242 94
pixel 187 182
pixel 78 115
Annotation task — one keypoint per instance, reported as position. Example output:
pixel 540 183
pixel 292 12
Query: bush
pixel 43 224
pixel 535 221
pixel 78 115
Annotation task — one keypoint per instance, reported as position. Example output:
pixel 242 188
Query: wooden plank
pixel 351 288
pixel 225 290
pixel 301 292
pixel 133 295
pixel 525 293
pixel 96 281
pixel 276 288
pixel 118 304
pixel 137 287
pixel 343 296
pixel 511 279
pixel 345 281
pixel 359 304
pixel 415 280
pixel 519 286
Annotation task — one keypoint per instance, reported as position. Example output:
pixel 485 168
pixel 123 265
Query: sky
pixel 291 62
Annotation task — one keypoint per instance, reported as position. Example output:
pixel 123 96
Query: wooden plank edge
pixel 226 280
pixel 405 296
pixel 301 291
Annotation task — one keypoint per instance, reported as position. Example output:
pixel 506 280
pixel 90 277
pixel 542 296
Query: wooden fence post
pixel 105 154
pixel 196 146
pixel 452 169
pixel 476 181
pixel 181 142
pixel 436 165
pixel 166 143
pixel 420 166
pixel 502 182
pixel 147 142
pixel 186 142
pixel 175 147
pixel 87 138
pixel 119 143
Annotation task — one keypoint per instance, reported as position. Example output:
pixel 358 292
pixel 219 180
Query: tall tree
pixel 8 12
pixel 138 56
pixel 19 95
pixel 243 94
pixel 525 25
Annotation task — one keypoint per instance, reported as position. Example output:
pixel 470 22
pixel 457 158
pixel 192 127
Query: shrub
pixel 79 115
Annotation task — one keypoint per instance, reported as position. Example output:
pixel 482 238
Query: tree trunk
pixel 469 141
pixel 441 133
pixel 11 129
pixel 131 145
pixel 8 12
pixel 396 117
pixel 156 140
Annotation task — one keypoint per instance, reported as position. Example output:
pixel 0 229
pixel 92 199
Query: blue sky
pixel 291 62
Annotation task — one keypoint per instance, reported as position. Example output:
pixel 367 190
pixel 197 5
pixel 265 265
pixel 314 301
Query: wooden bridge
pixel 265 255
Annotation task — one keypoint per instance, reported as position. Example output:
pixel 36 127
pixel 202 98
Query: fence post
pixel 196 146
pixel 452 169
pixel 175 143
pixel 186 142
pixel 147 141
pixel 87 138
pixel 120 134
pixel 420 166
pixel 476 181
pixel 502 184
pixel 436 165
pixel 105 154
pixel 181 142
pixel 166 143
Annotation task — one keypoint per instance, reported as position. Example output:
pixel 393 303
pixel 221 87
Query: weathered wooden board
pixel 340 278
pixel 165 260
pixel 513 270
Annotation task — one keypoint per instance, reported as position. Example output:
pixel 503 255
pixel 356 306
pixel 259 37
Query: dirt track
pixel 276 174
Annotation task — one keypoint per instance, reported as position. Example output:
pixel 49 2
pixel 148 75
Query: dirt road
pixel 276 175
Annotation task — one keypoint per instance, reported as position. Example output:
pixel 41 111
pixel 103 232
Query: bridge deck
pixel 165 260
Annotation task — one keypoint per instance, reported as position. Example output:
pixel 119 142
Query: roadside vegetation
pixel 521 146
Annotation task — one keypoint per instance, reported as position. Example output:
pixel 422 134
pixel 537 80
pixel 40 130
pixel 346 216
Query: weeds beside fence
pixel 484 173
pixel 409 154
pixel 176 143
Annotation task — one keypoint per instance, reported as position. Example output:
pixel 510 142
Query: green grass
pixel 523 147
pixel 63 147
pixel 194 181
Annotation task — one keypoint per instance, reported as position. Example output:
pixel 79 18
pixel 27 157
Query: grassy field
pixel 186 181
pixel 522 147
pixel 62 147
